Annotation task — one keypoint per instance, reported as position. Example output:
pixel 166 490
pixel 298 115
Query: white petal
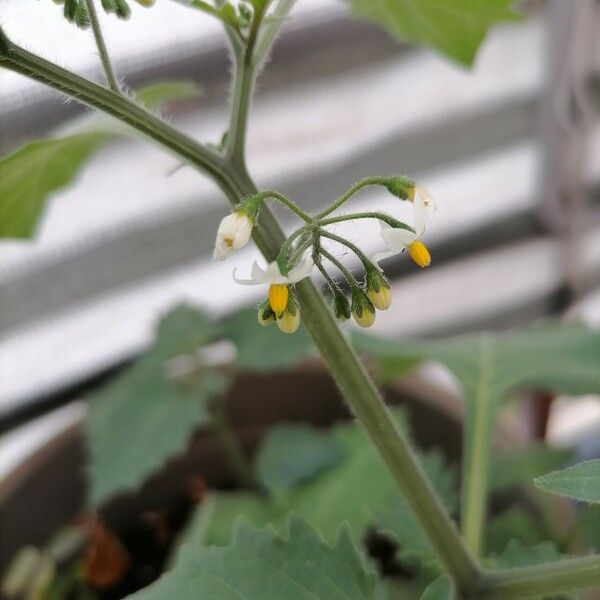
pixel 382 255
pixel 220 251
pixel 422 215
pixel 259 275
pixel 245 281
pixel 426 196
pixel 397 239
pixel 301 270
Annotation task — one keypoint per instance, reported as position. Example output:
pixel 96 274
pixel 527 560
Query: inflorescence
pixel 303 250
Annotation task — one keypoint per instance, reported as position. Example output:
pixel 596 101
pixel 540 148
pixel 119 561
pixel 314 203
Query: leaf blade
pixel 579 482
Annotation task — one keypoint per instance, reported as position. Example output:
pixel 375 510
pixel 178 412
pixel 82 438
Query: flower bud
pixel 378 289
pixel 341 306
pixel 362 308
pixel 265 316
pixel 234 233
pixel 400 186
pixel 289 320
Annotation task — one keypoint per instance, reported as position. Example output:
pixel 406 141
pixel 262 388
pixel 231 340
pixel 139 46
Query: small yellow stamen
pixel 228 242
pixel 278 297
pixel 419 253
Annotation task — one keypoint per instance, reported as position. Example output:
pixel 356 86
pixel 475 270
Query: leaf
pixel 290 454
pixel 265 348
pixel 260 565
pixel 521 466
pixel 31 174
pixel 514 523
pixel 154 95
pixel 440 589
pixel 517 555
pixel 358 490
pixel 145 416
pixel 456 28
pixel 489 366
pixel 588 526
pixel 580 482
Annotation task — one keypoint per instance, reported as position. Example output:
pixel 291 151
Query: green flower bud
pixel 341 306
pixel 363 310
pixel 401 187
pixel 266 315
pixel 378 288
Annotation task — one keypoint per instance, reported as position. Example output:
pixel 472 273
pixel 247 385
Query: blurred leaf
pixel 265 348
pixel 154 95
pixel 440 589
pixel 145 416
pixel 33 172
pixel 580 482
pixel 514 523
pixel 517 555
pixel 39 168
pixel 489 366
pixel 588 525
pixel 290 454
pixel 520 466
pixel 260 565
pixel 456 29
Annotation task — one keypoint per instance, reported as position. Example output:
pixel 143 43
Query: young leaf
pixel 290 454
pixel 31 174
pixel 440 589
pixel 580 482
pixel 260 565
pixel 517 555
pixel 145 415
pixel 456 29
pixel 264 348
pixel 514 523
pixel 516 467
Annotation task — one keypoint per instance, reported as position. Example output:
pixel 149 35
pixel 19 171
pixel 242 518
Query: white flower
pixel 233 233
pixel 397 239
pixel 278 283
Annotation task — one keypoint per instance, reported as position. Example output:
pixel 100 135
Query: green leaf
pixel 580 482
pixel 521 466
pixel 517 555
pixel 31 174
pixel 440 589
pixel 514 523
pixel 260 565
pixel 265 348
pixel 145 415
pixel 290 454
pixel 455 28
pixel 588 527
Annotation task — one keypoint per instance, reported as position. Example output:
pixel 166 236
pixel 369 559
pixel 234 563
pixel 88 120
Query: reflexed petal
pixel 427 197
pixel 398 239
pixel 257 274
pixel 383 255
pixel 300 271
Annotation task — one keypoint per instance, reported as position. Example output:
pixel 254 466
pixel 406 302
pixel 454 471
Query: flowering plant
pixel 258 564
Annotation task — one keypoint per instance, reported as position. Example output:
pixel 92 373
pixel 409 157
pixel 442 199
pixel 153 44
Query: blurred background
pixel 510 151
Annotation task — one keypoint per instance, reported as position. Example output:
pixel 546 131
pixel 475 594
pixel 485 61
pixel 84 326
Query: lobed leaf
pixel 260 565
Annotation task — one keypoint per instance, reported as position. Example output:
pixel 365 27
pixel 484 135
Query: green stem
pixel 347 274
pixel 539 580
pixel 366 261
pixel 286 246
pixel 262 196
pixel 269 32
pixel 391 221
pixel 476 455
pixel 111 78
pixel 235 455
pixel 367 181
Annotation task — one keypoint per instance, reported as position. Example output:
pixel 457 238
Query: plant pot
pixel 47 491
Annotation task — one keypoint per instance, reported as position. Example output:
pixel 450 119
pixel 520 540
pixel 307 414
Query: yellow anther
pixel 419 253
pixel 278 297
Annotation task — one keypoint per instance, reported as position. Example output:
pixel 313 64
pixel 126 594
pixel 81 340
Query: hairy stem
pixel 391 221
pixel 109 72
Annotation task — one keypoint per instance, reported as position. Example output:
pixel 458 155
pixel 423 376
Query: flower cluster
pixel 303 250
